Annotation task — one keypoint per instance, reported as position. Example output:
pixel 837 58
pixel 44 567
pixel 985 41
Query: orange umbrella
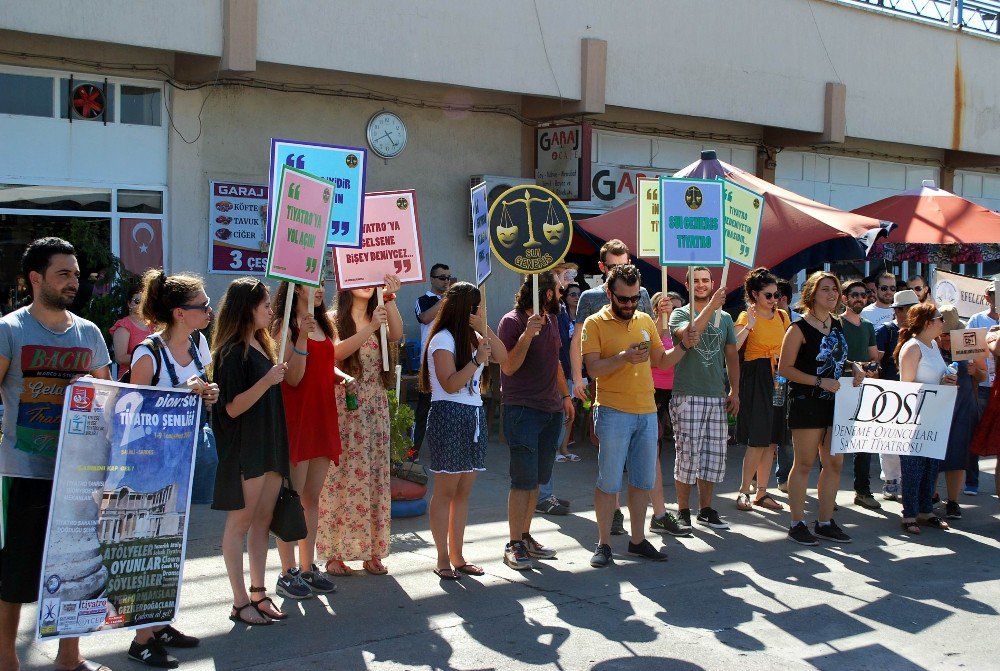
pixel 934 225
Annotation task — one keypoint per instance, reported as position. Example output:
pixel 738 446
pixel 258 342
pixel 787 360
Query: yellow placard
pixel 648 215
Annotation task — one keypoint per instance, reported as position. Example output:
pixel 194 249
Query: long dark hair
pixel 346 326
pixel 457 305
pixel 918 317
pixel 756 280
pixel 234 324
pixel 319 312
pixel 546 281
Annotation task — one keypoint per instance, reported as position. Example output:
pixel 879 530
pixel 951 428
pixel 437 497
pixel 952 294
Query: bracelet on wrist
pixel 388 298
pixel 299 351
pixel 684 348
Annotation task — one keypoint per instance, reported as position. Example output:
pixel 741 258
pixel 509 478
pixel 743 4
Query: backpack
pixel 155 345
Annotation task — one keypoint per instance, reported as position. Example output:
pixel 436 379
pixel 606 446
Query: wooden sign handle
pixel 664 281
pixel 383 332
pixel 694 313
pixel 534 292
pixel 725 278
pixel 289 298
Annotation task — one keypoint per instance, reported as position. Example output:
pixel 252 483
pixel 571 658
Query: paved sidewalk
pixel 745 598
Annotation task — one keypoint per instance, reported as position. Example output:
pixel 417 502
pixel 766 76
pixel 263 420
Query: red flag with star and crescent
pixel 140 244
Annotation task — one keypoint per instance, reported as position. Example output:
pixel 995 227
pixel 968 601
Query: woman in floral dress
pixel 354 505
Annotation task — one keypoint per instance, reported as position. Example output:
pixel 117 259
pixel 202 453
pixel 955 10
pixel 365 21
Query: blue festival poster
pixel 117 530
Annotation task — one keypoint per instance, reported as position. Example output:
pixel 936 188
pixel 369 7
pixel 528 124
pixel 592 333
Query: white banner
pixel 893 418
pixel 968 294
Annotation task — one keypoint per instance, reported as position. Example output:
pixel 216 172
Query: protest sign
pixel 691 228
pixel 481 233
pixel 237 221
pixel 742 212
pixel 301 218
pixel 968 344
pixel 117 529
pixel 344 167
pixel 967 294
pixel 390 243
pixel 893 418
pixel 648 215
pixel 530 229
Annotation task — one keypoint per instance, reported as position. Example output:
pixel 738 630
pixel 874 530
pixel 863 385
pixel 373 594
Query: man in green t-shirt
pixel 860 336
pixel 700 400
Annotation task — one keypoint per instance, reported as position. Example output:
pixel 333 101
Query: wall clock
pixel 386 134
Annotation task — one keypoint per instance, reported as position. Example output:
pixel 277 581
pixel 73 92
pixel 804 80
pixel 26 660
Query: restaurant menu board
pixel 237 214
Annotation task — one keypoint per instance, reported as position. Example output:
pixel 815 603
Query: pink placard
pixel 390 243
pixel 301 225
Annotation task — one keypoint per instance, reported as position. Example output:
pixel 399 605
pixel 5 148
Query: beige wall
pixel 442 151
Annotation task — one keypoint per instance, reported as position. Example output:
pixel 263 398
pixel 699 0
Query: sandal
pixel 910 528
pixel 374 567
pixel 767 501
pixel 934 522
pixel 470 569
pixel 274 613
pixel 237 615
pixel 342 569
pixel 743 502
pixel 572 457
pixel 447 574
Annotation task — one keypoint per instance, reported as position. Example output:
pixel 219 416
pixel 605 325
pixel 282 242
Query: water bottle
pixel 778 398
pixel 953 368
pixel 586 401
pixel 351 401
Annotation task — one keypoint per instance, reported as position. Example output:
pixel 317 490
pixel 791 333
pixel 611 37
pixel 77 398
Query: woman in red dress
pixel 986 441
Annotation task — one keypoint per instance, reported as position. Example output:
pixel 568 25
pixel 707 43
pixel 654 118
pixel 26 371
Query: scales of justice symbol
pixel 507 229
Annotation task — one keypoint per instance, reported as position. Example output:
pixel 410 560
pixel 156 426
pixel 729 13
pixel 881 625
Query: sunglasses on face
pixel 204 307
pixel 857 294
pixel 443 278
pixel 770 295
pixel 886 288
pixel 625 300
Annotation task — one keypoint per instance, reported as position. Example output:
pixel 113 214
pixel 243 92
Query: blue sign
pixel 481 233
pixel 343 166
pixel 691 225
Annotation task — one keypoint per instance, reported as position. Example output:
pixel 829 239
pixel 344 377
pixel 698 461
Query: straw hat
pixel 904 299
pixel 949 315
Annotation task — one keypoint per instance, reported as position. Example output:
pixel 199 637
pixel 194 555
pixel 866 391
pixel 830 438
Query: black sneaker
pixel 710 518
pixel 668 524
pixel 800 534
pixel 618 524
pixel 645 549
pixel 172 638
pixel 952 511
pixel 152 654
pixel 602 557
pixel 551 506
pixel 830 532
pixel 316 581
pixel 291 586
pixel 684 519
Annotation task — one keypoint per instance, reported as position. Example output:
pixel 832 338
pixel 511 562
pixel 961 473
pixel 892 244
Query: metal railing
pixel 979 16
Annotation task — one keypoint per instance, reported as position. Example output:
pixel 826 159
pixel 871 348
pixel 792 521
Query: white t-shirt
pixel 877 315
pixel 931 367
pixel 982 320
pixel 468 395
pixel 183 372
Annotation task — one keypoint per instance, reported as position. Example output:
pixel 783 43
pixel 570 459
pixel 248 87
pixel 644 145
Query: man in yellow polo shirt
pixel 619 345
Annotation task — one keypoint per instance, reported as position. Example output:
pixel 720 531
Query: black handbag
pixel 289 520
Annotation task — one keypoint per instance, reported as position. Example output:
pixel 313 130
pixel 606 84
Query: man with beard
pixel 534 396
pixel 700 401
pixel 619 347
pixel 881 311
pixel 43 347
pixel 861 348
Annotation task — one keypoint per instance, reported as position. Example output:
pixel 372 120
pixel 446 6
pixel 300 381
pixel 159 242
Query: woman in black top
pixel 251 438
pixel 813 356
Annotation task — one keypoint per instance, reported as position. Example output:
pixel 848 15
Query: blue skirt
pixel 456 437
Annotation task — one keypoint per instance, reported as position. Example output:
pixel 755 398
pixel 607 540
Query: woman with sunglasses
pixel 459 348
pixel 920 360
pixel 252 440
pixel 355 501
pixel 567 326
pixel 313 429
pixel 174 357
pixel 128 332
pixel 761 422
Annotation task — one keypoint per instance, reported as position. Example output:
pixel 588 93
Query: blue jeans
pixel 532 437
pixel 546 489
pixel 972 466
pixel 628 440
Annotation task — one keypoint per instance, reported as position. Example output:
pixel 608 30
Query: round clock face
pixel 386 134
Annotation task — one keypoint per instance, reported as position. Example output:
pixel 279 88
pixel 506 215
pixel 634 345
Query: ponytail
pixel 162 294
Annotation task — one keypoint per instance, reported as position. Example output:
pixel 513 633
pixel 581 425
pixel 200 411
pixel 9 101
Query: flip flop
pixel 447 574
pixel 87 665
pixel 572 457
pixel 237 616
pixel 767 501
pixel 373 569
pixel 560 458
pixel 470 569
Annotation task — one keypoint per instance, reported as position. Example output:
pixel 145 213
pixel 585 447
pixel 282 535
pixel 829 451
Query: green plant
pixel 401 420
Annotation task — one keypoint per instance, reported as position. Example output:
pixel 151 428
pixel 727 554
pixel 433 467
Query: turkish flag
pixel 140 244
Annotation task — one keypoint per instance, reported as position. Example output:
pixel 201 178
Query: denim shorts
pixel 628 440
pixel 533 438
